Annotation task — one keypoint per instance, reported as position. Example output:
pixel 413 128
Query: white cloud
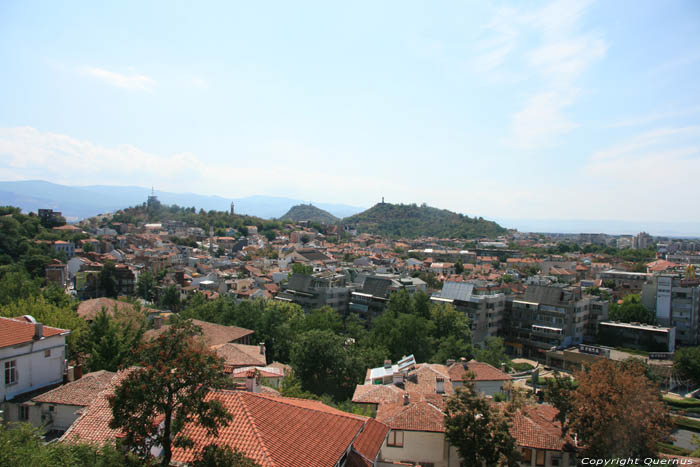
pixel 558 58
pixel 543 119
pixel 500 39
pixel 653 117
pixel 134 81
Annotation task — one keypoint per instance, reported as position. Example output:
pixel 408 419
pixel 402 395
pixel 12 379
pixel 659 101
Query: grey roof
pixel 313 255
pixel 543 294
pixel 377 286
pixel 299 282
pixel 457 290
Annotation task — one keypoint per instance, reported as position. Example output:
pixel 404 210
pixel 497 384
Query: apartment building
pixel 676 303
pixel 547 317
pixel 316 291
pixel 485 311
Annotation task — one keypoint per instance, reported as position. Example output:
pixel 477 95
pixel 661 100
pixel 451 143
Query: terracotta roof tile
pixel 535 426
pixel 482 372
pixel 236 355
pixel 15 331
pixel 81 392
pixel 279 431
pixel 214 334
pixel 416 416
pixel 93 424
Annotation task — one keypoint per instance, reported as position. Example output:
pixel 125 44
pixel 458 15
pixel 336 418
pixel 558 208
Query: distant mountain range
pixel 79 202
pixel 308 212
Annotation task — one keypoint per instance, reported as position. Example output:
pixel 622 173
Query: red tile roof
pixel 371 438
pixel 279 431
pixel 81 392
pixel 535 426
pixel 14 331
pixel 88 309
pixel 482 372
pixel 93 424
pixel 236 355
pixel 416 416
pixel 214 334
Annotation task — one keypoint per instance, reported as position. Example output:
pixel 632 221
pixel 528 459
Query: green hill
pixel 410 220
pixel 308 212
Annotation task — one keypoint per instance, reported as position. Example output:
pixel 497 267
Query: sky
pixel 544 110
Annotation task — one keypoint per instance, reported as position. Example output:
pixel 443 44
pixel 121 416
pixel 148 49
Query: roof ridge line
pixel 281 400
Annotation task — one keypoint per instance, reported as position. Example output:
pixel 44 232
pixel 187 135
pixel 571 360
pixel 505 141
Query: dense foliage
pixel 687 362
pixel 329 353
pixel 22 445
pixel 631 310
pixel 410 220
pixel 219 220
pixel 616 411
pixel 480 430
pixel 308 212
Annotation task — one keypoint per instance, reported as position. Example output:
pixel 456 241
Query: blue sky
pixel 564 109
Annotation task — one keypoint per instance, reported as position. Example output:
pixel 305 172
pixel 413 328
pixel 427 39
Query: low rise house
pixel 57 409
pixel 270 429
pixel 32 357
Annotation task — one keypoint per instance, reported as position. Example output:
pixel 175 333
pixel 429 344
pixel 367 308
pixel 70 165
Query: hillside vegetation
pixel 410 220
pixel 308 212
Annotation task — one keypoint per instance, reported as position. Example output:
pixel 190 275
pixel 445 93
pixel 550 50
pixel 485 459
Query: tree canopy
pixel 480 430
pixel 174 376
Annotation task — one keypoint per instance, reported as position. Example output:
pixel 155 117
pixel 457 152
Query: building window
pixel 395 439
pixel 47 353
pixel 527 455
pixel 52 408
pixel 540 457
pixel 23 412
pixel 11 372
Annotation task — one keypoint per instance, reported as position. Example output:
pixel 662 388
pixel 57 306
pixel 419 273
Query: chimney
pixel 463 361
pixel 77 372
pixel 157 322
pixel 387 363
pixel 262 348
pixel 38 331
pixel 503 368
pixel 440 385
pixel 406 399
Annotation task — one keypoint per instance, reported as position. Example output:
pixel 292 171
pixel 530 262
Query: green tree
pixel 175 375
pixel 171 298
pixel 22 445
pixel 300 268
pixel 687 361
pixel 558 393
pixel 107 281
pixel 325 364
pixel 479 430
pixel 494 352
pixel 631 310
pixel 146 286
pixel 111 340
